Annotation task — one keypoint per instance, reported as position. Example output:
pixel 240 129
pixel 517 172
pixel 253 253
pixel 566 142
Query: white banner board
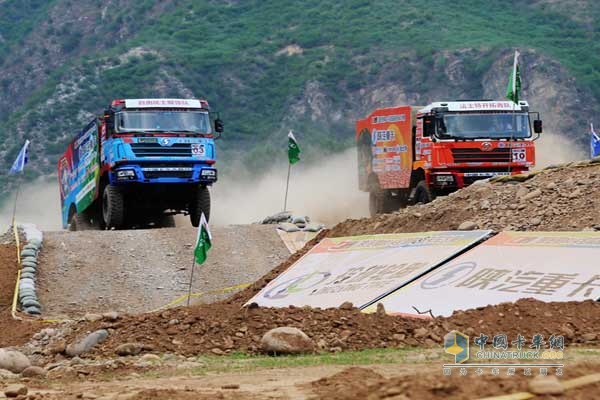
pixel 362 269
pixel 548 266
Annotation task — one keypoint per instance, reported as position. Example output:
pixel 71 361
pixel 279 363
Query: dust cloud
pixel 38 203
pixel 326 191
pixel 553 148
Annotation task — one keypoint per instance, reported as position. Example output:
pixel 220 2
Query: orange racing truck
pixel 409 155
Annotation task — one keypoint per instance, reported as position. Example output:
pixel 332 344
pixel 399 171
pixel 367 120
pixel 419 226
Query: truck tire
pixel 423 193
pixel 113 207
pixel 80 222
pixel 200 204
pixel 382 202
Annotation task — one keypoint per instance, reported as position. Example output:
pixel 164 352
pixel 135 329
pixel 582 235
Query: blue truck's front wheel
pixel 200 204
pixel 113 207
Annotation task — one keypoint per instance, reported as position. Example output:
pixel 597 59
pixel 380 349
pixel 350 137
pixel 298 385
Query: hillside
pixel 269 66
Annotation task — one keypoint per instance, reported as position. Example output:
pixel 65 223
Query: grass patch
pixel 241 362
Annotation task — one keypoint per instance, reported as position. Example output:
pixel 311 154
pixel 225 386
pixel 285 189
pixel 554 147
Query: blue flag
pixel 21 160
pixel 594 142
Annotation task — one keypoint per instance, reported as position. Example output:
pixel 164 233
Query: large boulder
pixel 286 340
pixel 13 361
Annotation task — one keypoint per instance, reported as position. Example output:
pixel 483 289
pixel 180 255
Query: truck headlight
pixel 126 174
pixel 444 179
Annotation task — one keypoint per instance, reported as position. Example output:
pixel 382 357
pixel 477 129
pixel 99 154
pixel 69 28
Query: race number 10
pixel 519 155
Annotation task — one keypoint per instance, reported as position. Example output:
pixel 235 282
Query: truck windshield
pixel 484 126
pixel 163 121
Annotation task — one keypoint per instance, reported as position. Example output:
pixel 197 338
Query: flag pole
pixel 287 185
pixel 191 280
pixel 14 213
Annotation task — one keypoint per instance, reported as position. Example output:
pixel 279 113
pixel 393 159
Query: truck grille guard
pixel 156 150
pixel 478 155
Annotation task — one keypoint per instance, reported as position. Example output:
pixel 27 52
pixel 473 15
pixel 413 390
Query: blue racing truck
pixel 139 164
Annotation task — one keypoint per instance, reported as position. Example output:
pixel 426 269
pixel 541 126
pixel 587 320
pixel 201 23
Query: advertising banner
pixel 362 269
pixel 548 266
pixel 78 171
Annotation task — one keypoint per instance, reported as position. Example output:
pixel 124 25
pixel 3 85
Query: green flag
pixel 203 242
pixel 514 83
pixel 293 149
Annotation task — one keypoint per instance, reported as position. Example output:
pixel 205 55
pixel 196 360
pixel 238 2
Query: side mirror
pixel 218 125
pixel 537 126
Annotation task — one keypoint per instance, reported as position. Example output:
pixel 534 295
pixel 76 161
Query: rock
pixel 535 221
pixel 541 385
pixel 532 195
pixel 421 332
pixel 57 347
pixel 111 316
pixel 75 349
pixel 34 372
pixel 467 226
pixel 129 349
pixel 588 337
pixel 28 253
pixel 15 390
pixel 522 192
pixel 6 374
pixel 346 306
pixel 14 361
pixel 217 351
pixel 92 317
pixel 286 340
pixel 380 309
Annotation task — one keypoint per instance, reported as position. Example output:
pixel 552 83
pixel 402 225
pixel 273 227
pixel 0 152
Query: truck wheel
pixel 376 202
pixel 423 193
pixel 113 207
pixel 200 204
pixel 80 222
pixel 382 202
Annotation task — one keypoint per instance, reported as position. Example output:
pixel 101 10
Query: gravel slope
pixel 141 270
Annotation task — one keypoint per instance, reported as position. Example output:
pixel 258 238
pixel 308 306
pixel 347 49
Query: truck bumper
pixel 163 173
pixel 458 179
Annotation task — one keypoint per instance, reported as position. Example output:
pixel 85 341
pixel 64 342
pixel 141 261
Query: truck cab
pixel 153 158
pixel 412 154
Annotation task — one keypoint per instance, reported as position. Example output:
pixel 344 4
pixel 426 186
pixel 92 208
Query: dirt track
pixel 141 270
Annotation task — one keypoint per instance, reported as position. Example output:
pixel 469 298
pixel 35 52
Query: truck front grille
pixel 156 150
pixel 478 155
pixel 168 174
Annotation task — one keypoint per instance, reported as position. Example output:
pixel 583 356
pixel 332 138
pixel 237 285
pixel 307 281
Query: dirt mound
pixel 557 199
pixel 433 385
pixel 223 328
pixel 142 270
pixel 12 332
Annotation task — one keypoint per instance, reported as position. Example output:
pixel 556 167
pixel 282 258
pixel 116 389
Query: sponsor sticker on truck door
pixel 198 150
